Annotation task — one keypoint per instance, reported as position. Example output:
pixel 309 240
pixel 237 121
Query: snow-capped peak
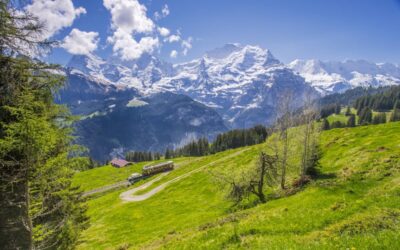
pixel 224 51
pixel 86 63
pixel 246 56
pixel 333 76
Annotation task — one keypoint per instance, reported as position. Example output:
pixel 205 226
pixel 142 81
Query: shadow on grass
pixel 324 176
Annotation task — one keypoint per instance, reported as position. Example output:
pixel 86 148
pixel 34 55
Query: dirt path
pixel 129 196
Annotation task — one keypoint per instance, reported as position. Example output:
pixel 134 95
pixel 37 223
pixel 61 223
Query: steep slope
pixel 243 83
pixel 139 74
pixel 153 123
pixel 354 203
pixel 331 77
pixel 115 119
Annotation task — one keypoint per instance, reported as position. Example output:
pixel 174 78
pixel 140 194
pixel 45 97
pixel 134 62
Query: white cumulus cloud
pixel 163 31
pixel 164 13
pixel 128 18
pixel 128 48
pixel 165 10
pixel 172 38
pixel 173 54
pixel 186 45
pixel 54 15
pixel 80 42
pixel 129 15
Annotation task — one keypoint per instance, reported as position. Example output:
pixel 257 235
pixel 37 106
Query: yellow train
pixel 158 168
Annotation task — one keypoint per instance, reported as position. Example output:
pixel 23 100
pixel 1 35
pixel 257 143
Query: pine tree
pixel 325 124
pixel 168 154
pixel 337 109
pixel 379 118
pixel 351 122
pixel 337 124
pixel 38 206
pixel 348 111
pixel 395 116
pixel 365 117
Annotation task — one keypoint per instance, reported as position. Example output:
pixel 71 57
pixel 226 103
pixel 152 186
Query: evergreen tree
pixel 351 122
pixel 337 124
pixel 395 116
pixel 379 118
pixel 325 124
pixel 337 109
pixel 38 206
pixel 348 111
pixel 381 101
pixel 365 116
pixel 168 154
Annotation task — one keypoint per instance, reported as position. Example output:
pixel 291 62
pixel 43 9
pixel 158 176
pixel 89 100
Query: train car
pixel 158 168
pixel 134 178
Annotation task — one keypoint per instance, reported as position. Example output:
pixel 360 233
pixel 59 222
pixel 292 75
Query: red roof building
pixel 119 163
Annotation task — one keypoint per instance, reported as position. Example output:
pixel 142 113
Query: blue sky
pixel 291 29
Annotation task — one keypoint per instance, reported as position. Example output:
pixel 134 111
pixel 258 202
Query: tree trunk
pixel 15 224
pixel 260 187
pixel 284 159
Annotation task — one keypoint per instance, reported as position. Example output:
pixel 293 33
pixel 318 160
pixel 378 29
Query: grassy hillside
pixel 354 203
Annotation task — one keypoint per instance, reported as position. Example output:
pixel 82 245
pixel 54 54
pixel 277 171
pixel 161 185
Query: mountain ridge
pixel 242 84
pixel 229 79
pixel 148 72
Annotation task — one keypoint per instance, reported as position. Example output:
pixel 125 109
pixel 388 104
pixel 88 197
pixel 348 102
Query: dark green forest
pixel 229 140
pixel 39 209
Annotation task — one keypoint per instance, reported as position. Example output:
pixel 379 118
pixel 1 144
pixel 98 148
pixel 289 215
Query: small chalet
pixel 119 163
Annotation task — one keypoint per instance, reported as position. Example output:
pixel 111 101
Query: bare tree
pixel 310 135
pixel 265 173
pixel 283 141
pixel 253 180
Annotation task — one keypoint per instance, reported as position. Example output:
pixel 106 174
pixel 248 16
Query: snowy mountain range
pixel 242 83
pixel 332 77
pixel 231 87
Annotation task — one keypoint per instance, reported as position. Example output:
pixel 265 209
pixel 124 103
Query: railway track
pixel 105 188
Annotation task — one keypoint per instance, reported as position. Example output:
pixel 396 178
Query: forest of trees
pixel 370 109
pixel 139 156
pixel 330 109
pixel 228 140
pixel 198 147
pixel 384 101
pixel 348 97
pixel 39 208
pixel 239 138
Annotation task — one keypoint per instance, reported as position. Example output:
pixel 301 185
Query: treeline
pixel 228 140
pixel 198 147
pixel 365 117
pixel 138 156
pixel 330 109
pixel 380 102
pixel 239 138
pixel 348 97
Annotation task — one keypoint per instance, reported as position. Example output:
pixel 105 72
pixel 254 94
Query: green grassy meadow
pixel 354 203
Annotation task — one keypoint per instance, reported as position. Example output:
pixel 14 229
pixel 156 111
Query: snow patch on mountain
pixel 240 82
pixel 330 77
